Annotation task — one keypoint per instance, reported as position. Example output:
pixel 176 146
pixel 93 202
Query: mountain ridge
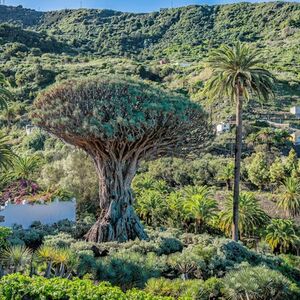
pixel 113 33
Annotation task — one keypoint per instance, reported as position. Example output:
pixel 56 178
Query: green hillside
pixel 186 33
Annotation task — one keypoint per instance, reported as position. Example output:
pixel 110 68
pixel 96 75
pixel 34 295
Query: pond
pixel 26 214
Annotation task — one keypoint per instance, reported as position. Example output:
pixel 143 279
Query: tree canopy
pixel 122 114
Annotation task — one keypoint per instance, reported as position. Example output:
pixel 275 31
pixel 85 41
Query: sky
pixel 121 5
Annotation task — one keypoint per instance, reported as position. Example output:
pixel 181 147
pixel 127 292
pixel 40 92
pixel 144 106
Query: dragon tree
pixel 120 122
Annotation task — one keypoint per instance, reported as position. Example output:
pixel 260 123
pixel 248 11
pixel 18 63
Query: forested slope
pixel 39 48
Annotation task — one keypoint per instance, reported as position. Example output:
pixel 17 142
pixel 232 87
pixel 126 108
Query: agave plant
pixel 290 198
pixel 199 206
pixel 281 235
pixel 251 216
pixel 16 258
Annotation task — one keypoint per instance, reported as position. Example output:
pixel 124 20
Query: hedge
pixel 21 287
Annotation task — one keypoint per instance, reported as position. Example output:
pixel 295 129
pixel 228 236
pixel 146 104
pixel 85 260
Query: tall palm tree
pixel 236 74
pixel 290 198
pixel 5 94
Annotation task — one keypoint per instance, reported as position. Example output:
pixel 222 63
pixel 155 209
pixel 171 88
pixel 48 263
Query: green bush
pixel 259 283
pixel 17 286
pixel 4 234
pixel 186 289
pixel 130 269
pixel 61 240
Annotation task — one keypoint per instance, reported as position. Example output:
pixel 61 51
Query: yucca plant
pixel 251 216
pixel 290 198
pixel 198 205
pixel 16 258
pixel 281 235
pixel 61 258
pixel 236 74
pixel 71 264
pixel 65 261
pixel 48 255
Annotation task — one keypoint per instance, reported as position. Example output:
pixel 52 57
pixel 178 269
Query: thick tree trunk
pixel 237 166
pixel 118 221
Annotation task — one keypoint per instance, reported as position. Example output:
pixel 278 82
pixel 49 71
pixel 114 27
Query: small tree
pixel 227 174
pixel 291 163
pixel 119 123
pixel 277 171
pixel 258 171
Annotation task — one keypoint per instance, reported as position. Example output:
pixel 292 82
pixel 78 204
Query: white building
pixel 295 137
pixel 295 110
pixel 223 127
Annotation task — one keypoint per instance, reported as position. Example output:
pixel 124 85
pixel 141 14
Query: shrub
pixel 259 283
pixel 130 269
pixel 185 289
pixel 61 240
pixel 4 234
pixel 17 286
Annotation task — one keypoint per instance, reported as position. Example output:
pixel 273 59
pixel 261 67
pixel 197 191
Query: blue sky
pixel 122 5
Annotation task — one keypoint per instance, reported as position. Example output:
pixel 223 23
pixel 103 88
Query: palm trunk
pixel 62 270
pixel 118 221
pixel 48 270
pixel 237 165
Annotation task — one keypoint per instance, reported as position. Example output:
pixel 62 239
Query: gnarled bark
pixel 118 220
